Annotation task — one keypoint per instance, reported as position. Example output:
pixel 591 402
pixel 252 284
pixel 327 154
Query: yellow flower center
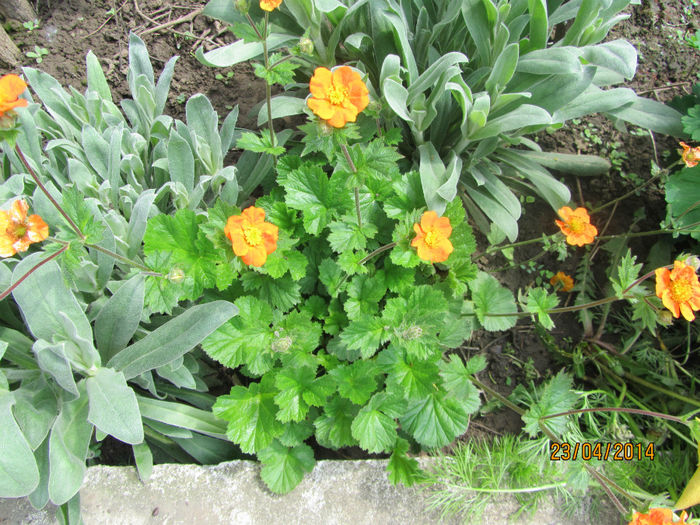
pixel 253 236
pixel 17 230
pixel 681 290
pixel 432 238
pixel 337 95
pixel 576 225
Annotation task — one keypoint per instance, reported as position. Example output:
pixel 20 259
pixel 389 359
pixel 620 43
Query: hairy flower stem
pixel 50 197
pixel 268 88
pixel 363 261
pixel 35 267
pixel 121 258
pixel 617 409
pixel 357 190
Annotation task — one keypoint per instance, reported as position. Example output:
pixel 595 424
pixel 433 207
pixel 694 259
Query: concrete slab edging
pixel 335 493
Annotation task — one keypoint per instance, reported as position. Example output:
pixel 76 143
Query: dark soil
pixel 667 68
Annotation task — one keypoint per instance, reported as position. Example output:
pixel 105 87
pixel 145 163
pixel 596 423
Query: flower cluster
pixel 17 231
pixel 269 5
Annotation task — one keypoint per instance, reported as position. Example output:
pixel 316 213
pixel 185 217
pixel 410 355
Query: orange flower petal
pixel 6 248
pixel 37 229
pixel 442 225
pixel 11 87
pixel 18 210
pixel 269 5
pixel 254 214
pixel 240 247
pixel 427 220
pixel 256 256
pixel 321 107
pixel 320 82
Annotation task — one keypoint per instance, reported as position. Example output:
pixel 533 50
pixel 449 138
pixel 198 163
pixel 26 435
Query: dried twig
pixel 105 22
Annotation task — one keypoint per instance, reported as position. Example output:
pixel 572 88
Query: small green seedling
pixel 31 25
pixel 38 54
pixel 224 78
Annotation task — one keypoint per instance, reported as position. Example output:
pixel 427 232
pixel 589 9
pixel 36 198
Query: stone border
pixel 335 493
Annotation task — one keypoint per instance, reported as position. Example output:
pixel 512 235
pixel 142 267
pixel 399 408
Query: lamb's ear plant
pixel 466 82
pixel 84 353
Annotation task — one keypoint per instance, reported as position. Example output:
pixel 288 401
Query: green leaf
pixel 180 161
pixel 366 335
pixel 365 293
pixel 554 397
pixel 456 379
pixel 333 426
pixel 401 468
pixel 68 448
pixel 250 413
pixel 279 72
pixel 296 433
pixel 282 293
pixel 144 461
pixel 181 415
pixel 347 235
pixel 113 406
pixel 374 430
pixel 119 318
pixel 74 205
pixel 19 474
pixel 283 468
pixel 682 196
pixel 330 274
pixel 258 144
pixel 300 389
pixel 309 190
pixel 357 381
pixel 180 243
pixel 435 421
pixel 55 312
pixel 691 122
pixel 413 378
pixel 35 410
pixel 540 302
pixel 173 339
pixel 248 332
pixel 626 273
pixel 491 298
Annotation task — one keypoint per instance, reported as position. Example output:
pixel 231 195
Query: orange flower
pixel 17 231
pixel 679 289
pixel 337 96
pixel 562 282
pixel 432 239
pixel 576 226
pixel 253 239
pixel 656 517
pixel 691 156
pixel 269 5
pixel 11 87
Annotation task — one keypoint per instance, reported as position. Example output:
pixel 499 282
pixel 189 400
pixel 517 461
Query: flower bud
pixel 306 45
pixel 176 275
pixel 412 332
pixel 693 261
pixel 242 6
pixel 665 318
pixel 282 344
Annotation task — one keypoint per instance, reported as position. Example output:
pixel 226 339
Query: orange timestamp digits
pixel 615 451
